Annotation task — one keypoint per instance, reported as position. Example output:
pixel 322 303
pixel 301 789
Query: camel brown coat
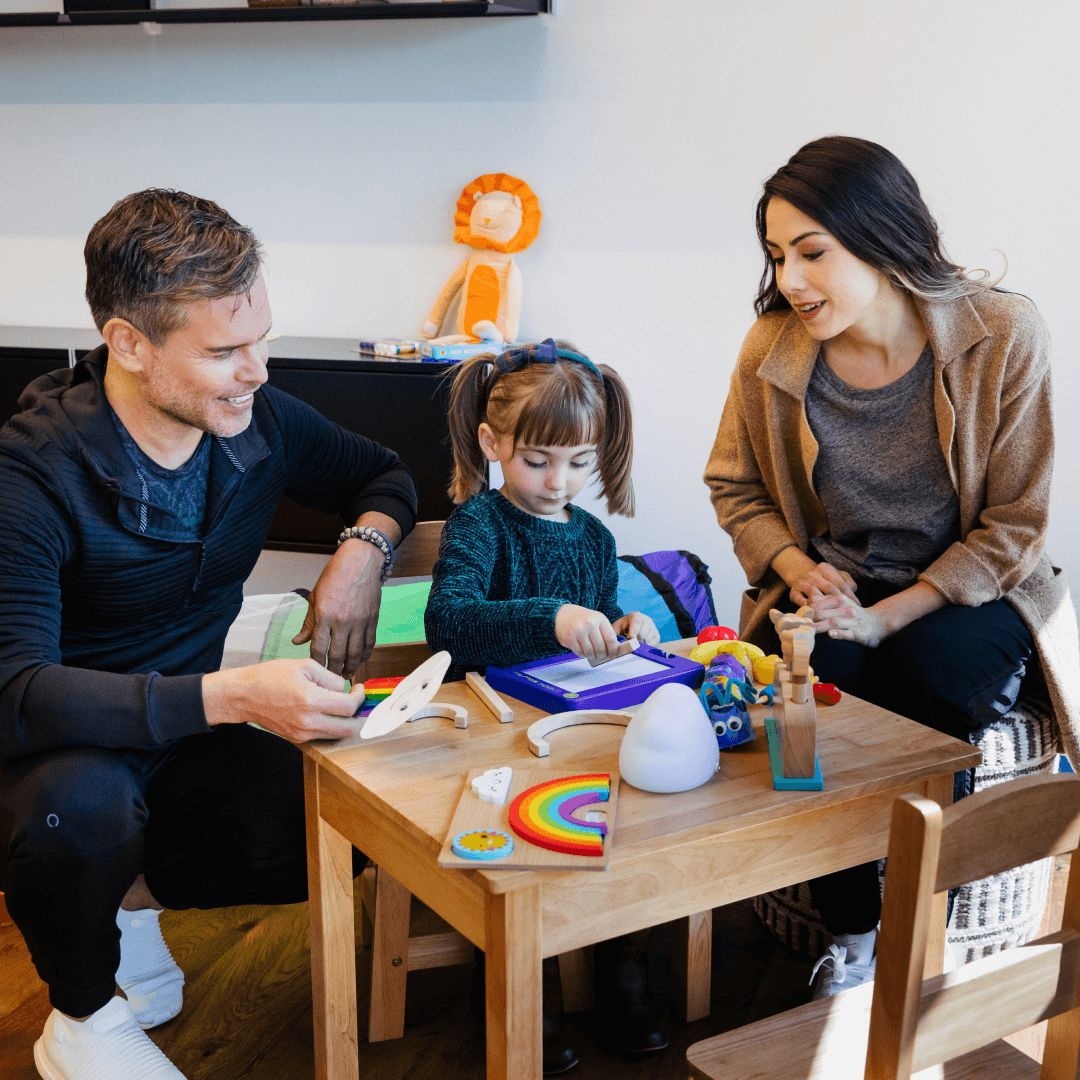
pixel 992 402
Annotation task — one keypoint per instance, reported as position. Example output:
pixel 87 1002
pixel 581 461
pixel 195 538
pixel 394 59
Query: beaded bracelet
pixel 372 536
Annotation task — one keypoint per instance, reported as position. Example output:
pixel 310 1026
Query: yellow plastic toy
pixel 497 214
pixel 743 651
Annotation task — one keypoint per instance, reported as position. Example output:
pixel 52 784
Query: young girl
pixel 523 573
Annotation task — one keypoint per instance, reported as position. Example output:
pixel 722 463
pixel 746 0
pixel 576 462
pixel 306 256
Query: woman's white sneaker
pixel 107 1045
pixel 849 962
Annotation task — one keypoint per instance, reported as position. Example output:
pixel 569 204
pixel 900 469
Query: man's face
pixel 205 374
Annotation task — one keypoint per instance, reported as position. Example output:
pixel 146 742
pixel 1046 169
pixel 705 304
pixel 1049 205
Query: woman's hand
pixel 820 581
pixel 845 619
pixel 807 580
pixel 586 632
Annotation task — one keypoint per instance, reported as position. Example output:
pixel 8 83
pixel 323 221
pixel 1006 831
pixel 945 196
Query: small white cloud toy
pixel 493 785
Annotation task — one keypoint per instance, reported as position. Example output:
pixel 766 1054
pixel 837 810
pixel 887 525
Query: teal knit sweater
pixel 503 574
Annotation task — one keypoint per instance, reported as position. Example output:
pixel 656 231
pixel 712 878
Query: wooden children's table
pixel 671 856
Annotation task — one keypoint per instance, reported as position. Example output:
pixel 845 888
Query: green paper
pixel 401 619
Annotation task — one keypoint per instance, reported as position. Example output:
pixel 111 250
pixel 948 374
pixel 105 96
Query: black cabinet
pixel 401 404
pixel 19 367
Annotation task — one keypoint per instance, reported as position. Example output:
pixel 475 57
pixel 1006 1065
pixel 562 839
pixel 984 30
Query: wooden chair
pixel 902 1024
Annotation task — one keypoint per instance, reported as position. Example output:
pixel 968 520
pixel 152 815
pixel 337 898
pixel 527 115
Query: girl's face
pixel 540 480
pixel 830 289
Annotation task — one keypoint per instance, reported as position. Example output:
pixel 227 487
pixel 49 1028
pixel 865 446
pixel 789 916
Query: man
pixel 137 491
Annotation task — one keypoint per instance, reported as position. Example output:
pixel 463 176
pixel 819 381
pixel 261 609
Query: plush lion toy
pixel 497 214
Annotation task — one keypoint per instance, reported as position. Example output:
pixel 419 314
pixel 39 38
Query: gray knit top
pixel 502 576
pixel 881 475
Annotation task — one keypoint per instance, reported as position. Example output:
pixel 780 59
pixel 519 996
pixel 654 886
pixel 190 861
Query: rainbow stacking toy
pixel 543 814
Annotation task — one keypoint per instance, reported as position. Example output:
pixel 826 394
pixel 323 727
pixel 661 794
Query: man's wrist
pixel 369 534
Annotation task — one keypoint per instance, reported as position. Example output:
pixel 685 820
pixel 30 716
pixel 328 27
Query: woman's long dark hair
pixel 865 196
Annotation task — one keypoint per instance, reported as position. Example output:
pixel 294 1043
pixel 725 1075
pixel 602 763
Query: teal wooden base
pixel 789 783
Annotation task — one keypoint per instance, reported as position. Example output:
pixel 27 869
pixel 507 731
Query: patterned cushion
pixel 988 915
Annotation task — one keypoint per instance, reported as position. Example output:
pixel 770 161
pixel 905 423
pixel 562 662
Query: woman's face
pixel 830 289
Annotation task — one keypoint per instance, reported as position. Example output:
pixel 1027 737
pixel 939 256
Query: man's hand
pixel 343 609
pixel 297 699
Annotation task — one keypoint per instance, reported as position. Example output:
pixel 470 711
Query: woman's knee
pixel 974 658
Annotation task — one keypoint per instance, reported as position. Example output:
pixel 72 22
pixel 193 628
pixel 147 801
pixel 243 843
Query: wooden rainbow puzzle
pixel 544 814
pixel 558 821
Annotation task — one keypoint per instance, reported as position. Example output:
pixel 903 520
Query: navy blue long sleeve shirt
pixel 110 610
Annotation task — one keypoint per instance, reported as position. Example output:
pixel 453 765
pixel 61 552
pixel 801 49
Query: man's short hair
pixel 158 250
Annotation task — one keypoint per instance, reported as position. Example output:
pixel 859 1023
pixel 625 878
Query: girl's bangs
pixel 557 416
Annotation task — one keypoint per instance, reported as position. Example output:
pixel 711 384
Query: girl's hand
pixel 637 624
pixel 821 580
pixel 843 618
pixel 586 632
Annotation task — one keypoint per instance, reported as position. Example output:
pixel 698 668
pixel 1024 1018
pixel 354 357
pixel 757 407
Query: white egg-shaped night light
pixel 669 745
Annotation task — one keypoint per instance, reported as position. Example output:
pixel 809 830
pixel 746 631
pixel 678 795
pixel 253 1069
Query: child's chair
pixel 901 1024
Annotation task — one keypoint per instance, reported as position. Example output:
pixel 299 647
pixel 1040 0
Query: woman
pixel 884 456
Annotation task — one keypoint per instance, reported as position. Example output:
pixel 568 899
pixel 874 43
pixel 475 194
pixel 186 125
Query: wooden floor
pixel 247 1003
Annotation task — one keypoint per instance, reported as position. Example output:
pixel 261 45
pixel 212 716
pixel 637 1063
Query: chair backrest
pixel 416 554
pixel 415 557
pixel 915 1023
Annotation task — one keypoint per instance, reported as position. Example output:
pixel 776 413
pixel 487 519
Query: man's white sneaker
pixel 148 974
pixel 849 962
pixel 107 1045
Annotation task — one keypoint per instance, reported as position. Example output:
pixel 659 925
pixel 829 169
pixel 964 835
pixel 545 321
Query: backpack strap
pixel 684 621
pixel 701 572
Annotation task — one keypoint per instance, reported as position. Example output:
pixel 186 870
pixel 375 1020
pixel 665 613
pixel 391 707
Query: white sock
pixel 860 947
pixel 148 974
pixel 107 1043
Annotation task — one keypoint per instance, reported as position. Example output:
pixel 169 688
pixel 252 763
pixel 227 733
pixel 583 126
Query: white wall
pixel 645 127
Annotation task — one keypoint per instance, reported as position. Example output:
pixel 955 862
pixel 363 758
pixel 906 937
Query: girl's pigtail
pixel 615 454
pixel 465 416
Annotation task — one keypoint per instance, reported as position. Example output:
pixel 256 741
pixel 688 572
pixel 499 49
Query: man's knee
pixel 70 802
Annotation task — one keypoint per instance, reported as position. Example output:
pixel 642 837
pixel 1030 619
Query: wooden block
pixel 793 783
pixel 482 689
pixel 798 738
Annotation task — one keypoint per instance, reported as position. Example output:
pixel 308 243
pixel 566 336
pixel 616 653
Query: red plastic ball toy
pixel 826 693
pixel 717 633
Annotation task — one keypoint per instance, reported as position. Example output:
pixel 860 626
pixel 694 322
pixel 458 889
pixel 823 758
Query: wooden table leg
pixel 514 985
pixel 389 958
pixel 692 965
pixel 333 948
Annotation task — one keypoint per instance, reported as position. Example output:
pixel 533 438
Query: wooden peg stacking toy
pixel 792 730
